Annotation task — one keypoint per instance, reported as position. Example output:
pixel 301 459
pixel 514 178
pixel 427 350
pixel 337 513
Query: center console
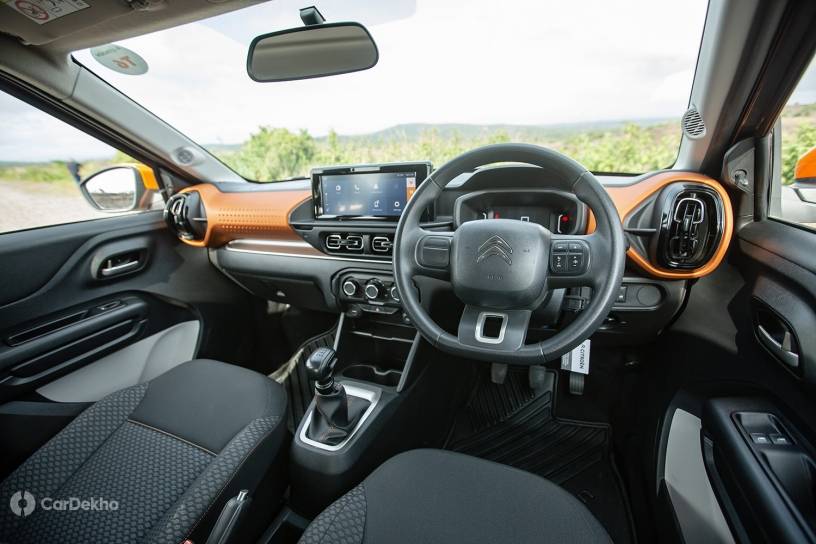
pixel 354 210
pixel 354 421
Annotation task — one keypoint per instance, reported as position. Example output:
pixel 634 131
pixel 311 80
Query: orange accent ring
pixel 629 197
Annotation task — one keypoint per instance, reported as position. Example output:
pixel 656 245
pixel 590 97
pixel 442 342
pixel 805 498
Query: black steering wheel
pixel 503 269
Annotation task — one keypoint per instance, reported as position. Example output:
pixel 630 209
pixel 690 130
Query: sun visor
pixel 40 22
pixel 69 25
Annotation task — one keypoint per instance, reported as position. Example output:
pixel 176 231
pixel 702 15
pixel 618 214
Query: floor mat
pixel 294 378
pixel 514 425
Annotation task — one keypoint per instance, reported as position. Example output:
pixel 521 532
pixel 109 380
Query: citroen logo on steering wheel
pixel 495 246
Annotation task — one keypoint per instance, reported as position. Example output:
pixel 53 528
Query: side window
pixel 794 197
pixel 52 173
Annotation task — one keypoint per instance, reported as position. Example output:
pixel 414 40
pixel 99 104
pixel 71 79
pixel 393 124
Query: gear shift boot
pixel 336 414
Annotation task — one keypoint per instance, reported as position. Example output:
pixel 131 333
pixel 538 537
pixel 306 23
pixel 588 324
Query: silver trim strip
pixel 278 248
pixel 371 395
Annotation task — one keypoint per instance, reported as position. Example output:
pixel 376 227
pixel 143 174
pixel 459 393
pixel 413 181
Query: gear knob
pixel 320 367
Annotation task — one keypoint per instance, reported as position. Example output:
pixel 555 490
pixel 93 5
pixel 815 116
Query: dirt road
pixel 26 204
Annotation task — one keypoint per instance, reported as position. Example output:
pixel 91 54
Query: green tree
pixel 273 154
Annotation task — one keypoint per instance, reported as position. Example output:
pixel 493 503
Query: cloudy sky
pixel 483 61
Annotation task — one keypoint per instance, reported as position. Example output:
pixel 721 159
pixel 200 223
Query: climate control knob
pixel 394 294
pixel 350 287
pixel 374 289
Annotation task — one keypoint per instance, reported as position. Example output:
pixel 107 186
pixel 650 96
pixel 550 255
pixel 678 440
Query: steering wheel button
pixel 435 252
pixel 558 263
pixel 575 247
pixel 561 247
pixel 575 263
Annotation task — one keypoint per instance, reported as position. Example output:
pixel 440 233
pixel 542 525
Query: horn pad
pixel 500 263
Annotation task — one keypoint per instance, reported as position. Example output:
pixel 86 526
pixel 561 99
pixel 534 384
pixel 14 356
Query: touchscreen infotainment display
pixel 372 194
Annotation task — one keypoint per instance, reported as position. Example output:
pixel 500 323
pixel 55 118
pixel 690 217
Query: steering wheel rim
pixel 420 252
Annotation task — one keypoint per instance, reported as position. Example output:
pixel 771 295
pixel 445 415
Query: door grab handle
pixel 782 350
pixel 113 270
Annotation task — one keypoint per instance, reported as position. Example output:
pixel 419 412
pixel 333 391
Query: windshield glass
pixel 604 82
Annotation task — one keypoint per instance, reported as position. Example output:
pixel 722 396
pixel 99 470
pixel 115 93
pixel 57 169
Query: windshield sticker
pixel 45 11
pixel 120 59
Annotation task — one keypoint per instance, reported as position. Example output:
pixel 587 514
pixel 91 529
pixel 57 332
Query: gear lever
pixel 335 414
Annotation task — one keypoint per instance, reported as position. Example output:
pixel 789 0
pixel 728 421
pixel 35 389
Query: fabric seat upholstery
pixel 169 452
pixel 435 496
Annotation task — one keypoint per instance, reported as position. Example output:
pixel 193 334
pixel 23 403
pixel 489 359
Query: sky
pixel 532 62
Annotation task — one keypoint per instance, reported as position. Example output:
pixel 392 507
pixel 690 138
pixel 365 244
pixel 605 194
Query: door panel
pixel 781 259
pixel 759 448
pixel 70 333
pixel 139 362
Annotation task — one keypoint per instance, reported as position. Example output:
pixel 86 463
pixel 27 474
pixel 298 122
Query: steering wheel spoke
pixel 433 254
pixel 577 261
pixel 489 328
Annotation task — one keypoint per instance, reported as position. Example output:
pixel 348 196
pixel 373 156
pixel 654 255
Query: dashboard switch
pixel 760 438
pixel 780 439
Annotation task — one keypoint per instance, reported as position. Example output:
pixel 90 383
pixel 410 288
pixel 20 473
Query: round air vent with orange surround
pixel 679 224
pixel 243 214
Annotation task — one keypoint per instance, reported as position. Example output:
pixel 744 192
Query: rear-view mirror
pixel 311 51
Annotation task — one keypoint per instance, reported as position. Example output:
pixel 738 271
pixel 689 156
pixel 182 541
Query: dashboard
pixel 326 243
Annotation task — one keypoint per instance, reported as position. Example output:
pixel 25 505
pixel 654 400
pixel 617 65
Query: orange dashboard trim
pixel 260 215
pixel 265 215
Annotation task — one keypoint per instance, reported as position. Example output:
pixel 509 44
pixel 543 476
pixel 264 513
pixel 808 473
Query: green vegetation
pixel 277 153
pixel 798 136
pixel 56 172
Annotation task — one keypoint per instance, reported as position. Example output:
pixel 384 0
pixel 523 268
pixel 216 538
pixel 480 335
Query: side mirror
pixel 120 188
pixel 804 182
pixel 311 51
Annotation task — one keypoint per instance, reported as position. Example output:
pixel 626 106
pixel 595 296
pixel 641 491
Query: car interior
pixel 504 346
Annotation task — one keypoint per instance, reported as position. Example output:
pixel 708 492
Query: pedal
pixel 539 378
pixel 498 373
pixel 576 383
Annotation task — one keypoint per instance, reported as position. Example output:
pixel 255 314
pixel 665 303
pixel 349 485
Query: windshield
pixel 604 82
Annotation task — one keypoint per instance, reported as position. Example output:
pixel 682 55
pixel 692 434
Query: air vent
pixel 184 213
pixel 693 125
pixel 344 242
pixel 691 225
pixel 382 244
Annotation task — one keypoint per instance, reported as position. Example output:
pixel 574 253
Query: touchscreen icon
pixel 396 203
pixel 337 188
pixel 356 188
pixel 376 203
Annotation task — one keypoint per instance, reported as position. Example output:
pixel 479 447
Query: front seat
pixel 435 496
pixel 169 453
